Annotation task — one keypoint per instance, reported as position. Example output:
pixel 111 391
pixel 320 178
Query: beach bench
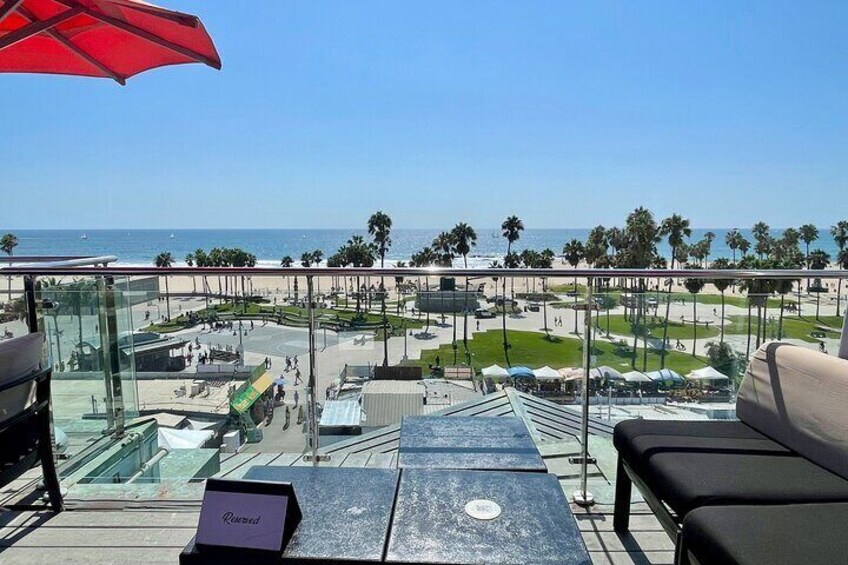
pixel 25 414
pixel 789 447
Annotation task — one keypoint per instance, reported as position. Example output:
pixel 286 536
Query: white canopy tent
pixel 547 374
pixel 605 372
pixel 636 377
pixel 495 371
pixel 571 373
pixel 707 374
pixel 183 439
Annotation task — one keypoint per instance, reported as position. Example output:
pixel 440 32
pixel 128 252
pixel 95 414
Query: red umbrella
pixel 98 38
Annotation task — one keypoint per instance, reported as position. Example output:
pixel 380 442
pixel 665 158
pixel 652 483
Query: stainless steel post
pixel 583 497
pixel 313 403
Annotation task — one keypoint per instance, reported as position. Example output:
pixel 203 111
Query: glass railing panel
pixel 230 354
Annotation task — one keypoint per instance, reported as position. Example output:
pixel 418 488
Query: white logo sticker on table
pixel 482 509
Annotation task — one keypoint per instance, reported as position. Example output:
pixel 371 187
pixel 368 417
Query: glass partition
pixel 162 379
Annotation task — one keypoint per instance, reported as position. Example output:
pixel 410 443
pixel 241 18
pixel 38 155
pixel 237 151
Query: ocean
pixel 139 247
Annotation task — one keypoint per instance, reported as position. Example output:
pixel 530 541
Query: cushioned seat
pixel 808 534
pixel 638 440
pixel 702 479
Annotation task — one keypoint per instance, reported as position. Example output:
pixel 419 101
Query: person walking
pixel 297 379
pixel 296 398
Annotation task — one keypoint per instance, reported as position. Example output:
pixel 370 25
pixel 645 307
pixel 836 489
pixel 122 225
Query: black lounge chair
pixel 787 449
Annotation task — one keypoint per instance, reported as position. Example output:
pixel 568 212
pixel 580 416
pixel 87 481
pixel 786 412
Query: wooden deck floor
pixel 155 531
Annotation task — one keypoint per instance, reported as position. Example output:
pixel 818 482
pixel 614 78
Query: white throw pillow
pixel 19 357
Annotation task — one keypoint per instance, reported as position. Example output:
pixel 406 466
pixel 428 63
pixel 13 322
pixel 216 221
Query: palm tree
pixel 642 235
pixel 164 260
pixel 443 246
pixel 287 262
pixel 808 233
pixel 317 256
pixel 379 228
pixel 840 236
pixel 574 252
pixel 675 227
pixel 731 239
pixel 763 239
pixel 545 260
pixel 464 238
pixel 359 253
pixel 189 260
pixel 511 229
pixel 424 258
pixel 842 263
pixel 7 245
pixel 819 260
pixel 721 285
pixel 694 286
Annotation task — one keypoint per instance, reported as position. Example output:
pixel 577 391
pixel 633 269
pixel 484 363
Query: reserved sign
pixel 247 515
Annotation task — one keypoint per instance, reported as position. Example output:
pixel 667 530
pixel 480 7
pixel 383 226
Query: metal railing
pixel 98 268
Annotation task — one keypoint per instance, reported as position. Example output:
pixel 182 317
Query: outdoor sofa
pixel 769 488
pixel 25 413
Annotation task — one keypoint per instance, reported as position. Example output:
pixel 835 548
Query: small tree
pixel 726 361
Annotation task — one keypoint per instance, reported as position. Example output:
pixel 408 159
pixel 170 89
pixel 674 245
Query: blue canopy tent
pixel 521 373
pixel 666 377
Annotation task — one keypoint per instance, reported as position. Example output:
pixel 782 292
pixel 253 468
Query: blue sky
pixel 567 114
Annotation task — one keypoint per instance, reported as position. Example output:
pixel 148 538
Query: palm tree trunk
pixel 722 317
pixel 575 304
pixel 665 328
pixel 838 296
pixel 748 348
pixel 759 324
pixel 780 322
pixel 167 299
pixel 465 315
pixel 385 317
pixel 58 343
pixel 694 324
pixel 427 285
pixel 545 310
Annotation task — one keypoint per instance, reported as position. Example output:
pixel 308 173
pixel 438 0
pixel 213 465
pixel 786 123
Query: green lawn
pixel 676 330
pixel 533 350
pixel 793 327
pixel 730 299
pixel 370 318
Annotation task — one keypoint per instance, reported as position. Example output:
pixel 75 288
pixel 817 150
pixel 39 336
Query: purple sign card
pixel 239 514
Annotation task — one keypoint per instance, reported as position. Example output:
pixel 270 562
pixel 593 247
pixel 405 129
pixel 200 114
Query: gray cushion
pixel 797 397
pixel 811 534
pixel 686 481
pixel 19 357
pixel 843 342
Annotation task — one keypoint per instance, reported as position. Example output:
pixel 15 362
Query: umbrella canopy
pixel 98 38
pixel 605 372
pixel 494 371
pixel 636 377
pixel 280 381
pixel 546 373
pixel 666 376
pixel 521 373
pixel 707 374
